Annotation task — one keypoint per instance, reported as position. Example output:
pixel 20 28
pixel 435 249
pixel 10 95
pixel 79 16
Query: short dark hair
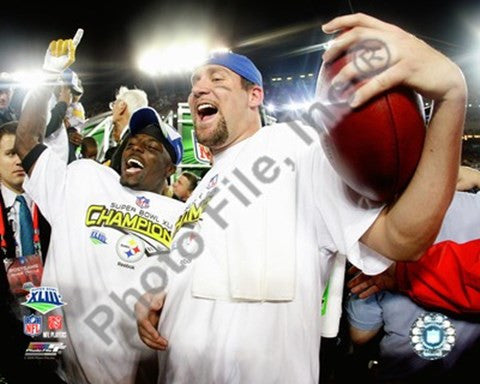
pixel 246 84
pixel 192 179
pixel 88 142
pixel 9 128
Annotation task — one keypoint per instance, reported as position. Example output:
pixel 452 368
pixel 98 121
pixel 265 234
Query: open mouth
pixel 206 110
pixel 134 165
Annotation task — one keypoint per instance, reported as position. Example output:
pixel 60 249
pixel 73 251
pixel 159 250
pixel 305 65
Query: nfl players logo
pixel 32 325
pixel 142 202
pixel 55 322
pixel 432 336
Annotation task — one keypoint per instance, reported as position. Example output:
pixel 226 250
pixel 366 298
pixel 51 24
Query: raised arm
pixel 404 230
pixel 31 127
pixel 59 111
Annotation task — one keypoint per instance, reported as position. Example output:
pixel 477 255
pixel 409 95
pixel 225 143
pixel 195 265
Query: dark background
pixel 115 32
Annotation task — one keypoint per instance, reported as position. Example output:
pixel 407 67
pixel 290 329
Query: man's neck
pixel 247 133
pixel 161 188
pixel 158 189
pixel 122 127
pixel 14 188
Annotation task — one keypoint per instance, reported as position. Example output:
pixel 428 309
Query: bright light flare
pixel 270 108
pixel 175 58
pixel 148 62
pixel 220 50
pixel 28 79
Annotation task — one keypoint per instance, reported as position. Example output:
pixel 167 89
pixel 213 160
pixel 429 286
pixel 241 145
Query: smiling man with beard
pixel 106 232
pixel 248 308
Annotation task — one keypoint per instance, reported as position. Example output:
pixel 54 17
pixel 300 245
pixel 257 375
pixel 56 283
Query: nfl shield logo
pixel 433 336
pixel 142 202
pixel 32 325
pixel 202 154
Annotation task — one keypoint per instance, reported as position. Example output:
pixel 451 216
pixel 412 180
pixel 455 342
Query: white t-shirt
pixel 101 258
pixel 231 341
pixel 462 219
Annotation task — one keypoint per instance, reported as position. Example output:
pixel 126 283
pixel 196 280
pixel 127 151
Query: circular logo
pixel 130 248
pixel 371 56
pixel 432 336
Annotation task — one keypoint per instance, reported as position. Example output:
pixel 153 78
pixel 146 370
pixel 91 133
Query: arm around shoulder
pixel 468 178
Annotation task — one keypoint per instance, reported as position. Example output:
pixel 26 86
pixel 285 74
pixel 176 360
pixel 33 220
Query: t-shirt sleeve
pixel 365 314
pixel 462 221
pixel 346 215
pixel 47 185
pixel 58 141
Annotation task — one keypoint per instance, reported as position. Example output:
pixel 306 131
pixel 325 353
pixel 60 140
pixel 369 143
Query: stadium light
pixel 292 106
pixel 270 108
pixel 28 79
pixel 147 62
pixel 220 50
pixel 176 57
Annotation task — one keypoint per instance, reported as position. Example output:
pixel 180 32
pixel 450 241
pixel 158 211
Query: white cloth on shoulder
pixel 260 252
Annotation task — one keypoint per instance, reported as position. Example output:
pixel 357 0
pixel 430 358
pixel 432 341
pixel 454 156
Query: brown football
pixel 374 148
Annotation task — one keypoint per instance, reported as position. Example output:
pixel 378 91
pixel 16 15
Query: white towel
pixel 259 259
pixel 261 244
pixel 331 318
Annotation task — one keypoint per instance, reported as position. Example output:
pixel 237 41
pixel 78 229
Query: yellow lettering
pixel 92 210
pixel 129 221
pixel 99 215
pixel 116 220
pixel 194 213
pixel 104 217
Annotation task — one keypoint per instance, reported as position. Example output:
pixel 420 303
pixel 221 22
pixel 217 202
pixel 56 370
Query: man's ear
pixel 122 107
pixel 170 170
pixel 255 96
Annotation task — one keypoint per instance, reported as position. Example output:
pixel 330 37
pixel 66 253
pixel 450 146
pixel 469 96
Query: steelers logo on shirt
pixel 432 336
pixel 130 248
